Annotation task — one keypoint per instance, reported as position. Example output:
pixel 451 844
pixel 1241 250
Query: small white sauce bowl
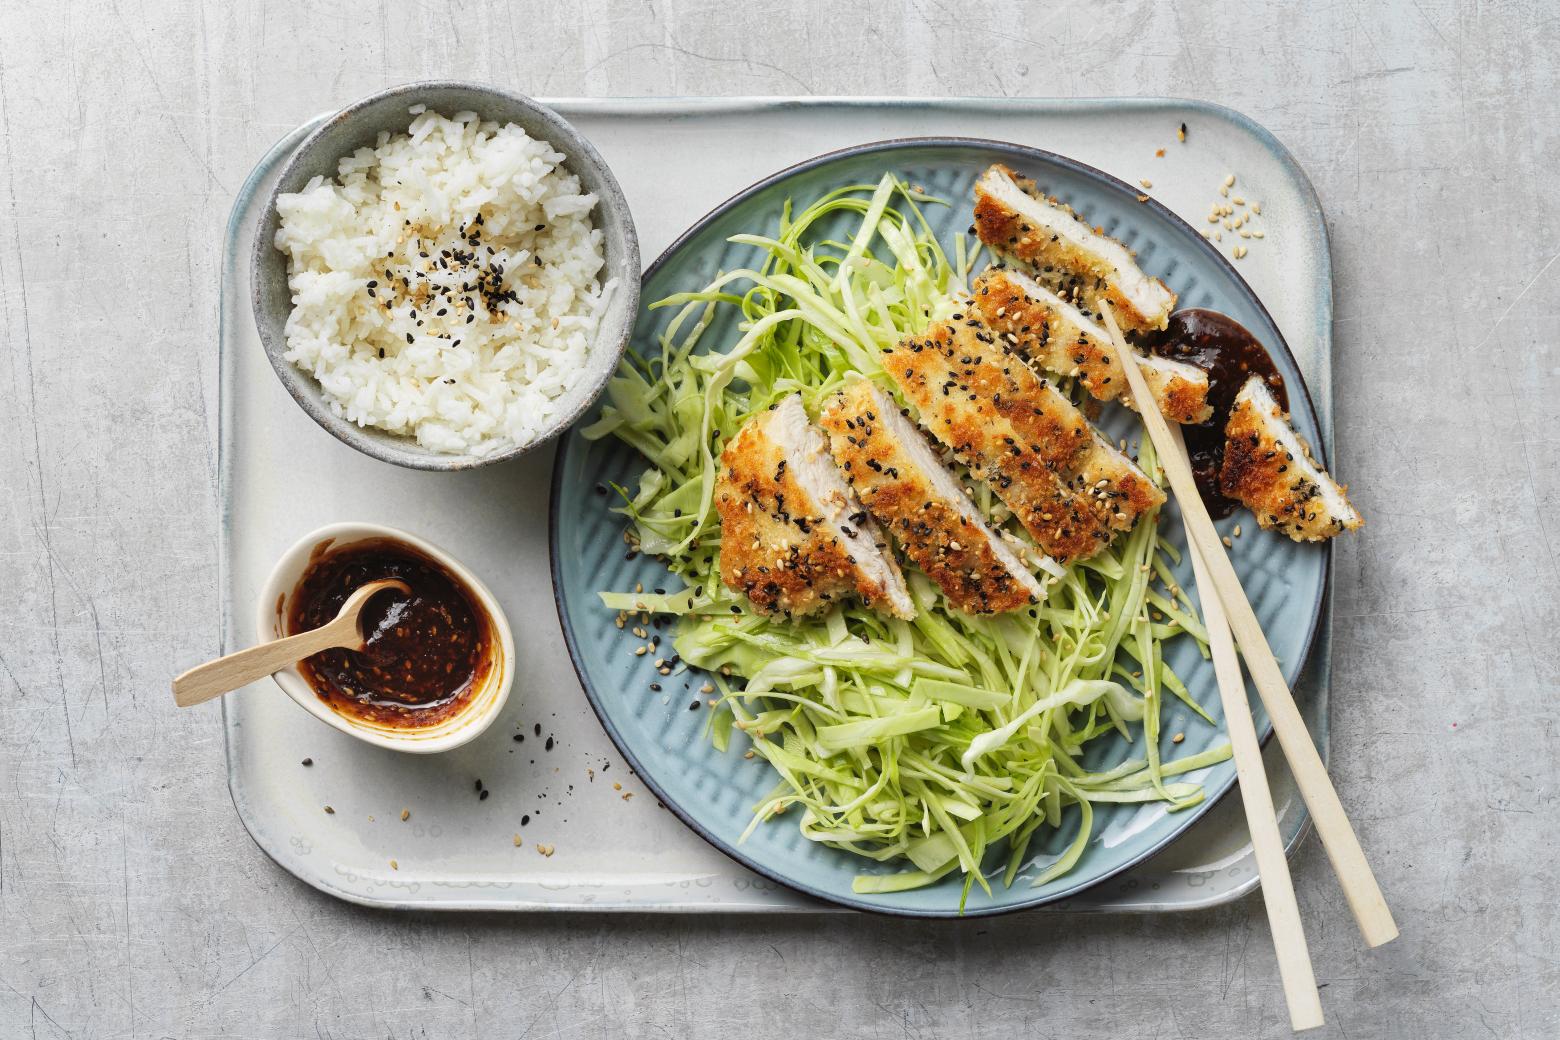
pixel 485 704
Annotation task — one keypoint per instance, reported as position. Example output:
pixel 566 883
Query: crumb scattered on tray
pixel 1235 215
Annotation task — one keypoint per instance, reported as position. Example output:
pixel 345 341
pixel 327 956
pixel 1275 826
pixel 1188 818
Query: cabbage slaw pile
pixel 937 740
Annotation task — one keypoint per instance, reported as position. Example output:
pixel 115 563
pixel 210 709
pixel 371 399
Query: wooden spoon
pixel 225 674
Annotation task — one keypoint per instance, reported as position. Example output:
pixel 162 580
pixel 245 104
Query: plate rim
pixel 565 444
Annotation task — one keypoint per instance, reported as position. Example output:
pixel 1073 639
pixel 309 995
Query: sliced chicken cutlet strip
pixel 1012 217
pixel 1058 337
pixel 793 538
pixel 1268 468
pixel 901 482
pixel 1072 490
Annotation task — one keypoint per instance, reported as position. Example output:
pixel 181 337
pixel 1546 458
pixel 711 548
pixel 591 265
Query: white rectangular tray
pixel 281 476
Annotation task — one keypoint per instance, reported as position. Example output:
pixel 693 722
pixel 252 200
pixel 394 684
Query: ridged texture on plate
pixel 668 741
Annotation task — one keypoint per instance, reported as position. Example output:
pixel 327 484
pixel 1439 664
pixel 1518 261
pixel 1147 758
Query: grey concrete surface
pixel 132 904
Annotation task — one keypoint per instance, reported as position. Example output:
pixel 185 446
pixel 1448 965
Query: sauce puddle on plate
pixel 424 655
pixel 1229 353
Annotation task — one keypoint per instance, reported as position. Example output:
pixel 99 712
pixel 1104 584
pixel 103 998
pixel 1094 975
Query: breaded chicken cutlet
pixel 794 539
pixel 1269 470
pixel 1012 217
pixel 1071 489
pixel 902 483
pixel 1054 335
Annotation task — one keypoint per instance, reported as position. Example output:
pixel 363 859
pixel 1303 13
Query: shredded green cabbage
pixel 937 740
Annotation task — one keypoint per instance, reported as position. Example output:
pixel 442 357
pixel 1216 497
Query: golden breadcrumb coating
pixel 1054 335
pixel 1072 491
pixel 1268 468
pixel 899 479
pixel 782 544
pixel 1012 217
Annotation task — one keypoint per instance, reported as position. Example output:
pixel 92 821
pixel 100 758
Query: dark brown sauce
pixel 1230 354
pixel 425 654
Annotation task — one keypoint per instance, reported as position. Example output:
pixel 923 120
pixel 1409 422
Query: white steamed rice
pixel 388 265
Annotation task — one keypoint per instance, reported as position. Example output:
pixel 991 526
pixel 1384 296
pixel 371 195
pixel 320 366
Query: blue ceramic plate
pixel 665 742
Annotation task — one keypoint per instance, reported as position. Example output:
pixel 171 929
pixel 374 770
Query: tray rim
pixel 567 443
pixel 683 106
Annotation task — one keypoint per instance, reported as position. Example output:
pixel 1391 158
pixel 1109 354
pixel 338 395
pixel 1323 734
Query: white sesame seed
pixel 1229 181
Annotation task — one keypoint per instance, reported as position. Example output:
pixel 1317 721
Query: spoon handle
pixel 214 678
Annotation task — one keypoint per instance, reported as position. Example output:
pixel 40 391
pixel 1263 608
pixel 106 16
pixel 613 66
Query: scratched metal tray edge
pixel 1315 679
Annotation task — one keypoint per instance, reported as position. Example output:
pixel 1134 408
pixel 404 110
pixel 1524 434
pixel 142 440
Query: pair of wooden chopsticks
pixel 1230 619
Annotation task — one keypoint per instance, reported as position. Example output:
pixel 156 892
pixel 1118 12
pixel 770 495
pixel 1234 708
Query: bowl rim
pixel 579 153
pixel 468 724
pixel 754 863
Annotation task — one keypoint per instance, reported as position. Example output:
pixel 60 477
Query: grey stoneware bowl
pixel 357 126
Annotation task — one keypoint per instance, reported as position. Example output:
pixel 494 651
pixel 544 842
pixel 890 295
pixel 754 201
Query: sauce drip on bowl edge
pixel 1229 353
pixel 425 655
